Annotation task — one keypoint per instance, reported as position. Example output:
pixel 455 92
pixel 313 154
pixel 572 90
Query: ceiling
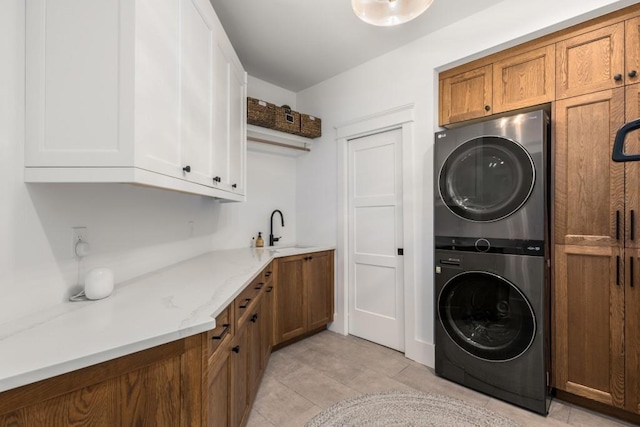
pixel 296 44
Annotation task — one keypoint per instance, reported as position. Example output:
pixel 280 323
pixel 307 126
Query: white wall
pixel 271 93
pixel 131 229
pixel 409 76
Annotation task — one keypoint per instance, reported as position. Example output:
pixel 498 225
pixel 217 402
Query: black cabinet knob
pixel 234 186
pixel 217 179
pixel 617 77
pixel 236 349
pixel 632 73
pixel 487 108
pixel 187 168
pixel 254 318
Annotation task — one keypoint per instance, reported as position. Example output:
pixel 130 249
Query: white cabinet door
pixel 230 124
pixel 73 89
pixel 238 128
pixel 197 91
pixel 157 87
pixel 221 131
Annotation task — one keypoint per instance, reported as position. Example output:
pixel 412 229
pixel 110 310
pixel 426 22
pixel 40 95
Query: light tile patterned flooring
pixel 309 376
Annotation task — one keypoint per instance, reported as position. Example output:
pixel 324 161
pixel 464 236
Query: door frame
pixel 397 118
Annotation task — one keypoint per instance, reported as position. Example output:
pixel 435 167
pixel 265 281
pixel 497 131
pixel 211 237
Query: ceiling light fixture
pixel 385 13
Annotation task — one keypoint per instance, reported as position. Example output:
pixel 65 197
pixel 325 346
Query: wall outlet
pixel 77 234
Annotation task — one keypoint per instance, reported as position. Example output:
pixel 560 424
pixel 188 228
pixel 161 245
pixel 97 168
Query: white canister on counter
pixel 98 283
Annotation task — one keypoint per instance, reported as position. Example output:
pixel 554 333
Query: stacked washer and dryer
pixel 491 258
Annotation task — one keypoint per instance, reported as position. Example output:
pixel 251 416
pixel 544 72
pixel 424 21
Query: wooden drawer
pixel 268 272
pixel 247 298
pixel 222 332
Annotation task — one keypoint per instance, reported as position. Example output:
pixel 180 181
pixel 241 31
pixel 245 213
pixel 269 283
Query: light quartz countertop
pixel 159 307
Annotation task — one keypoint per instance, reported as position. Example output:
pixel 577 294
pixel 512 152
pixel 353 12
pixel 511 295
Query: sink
pixel 289 248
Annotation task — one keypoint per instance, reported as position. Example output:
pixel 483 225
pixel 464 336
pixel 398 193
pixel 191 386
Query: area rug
pixel 407 408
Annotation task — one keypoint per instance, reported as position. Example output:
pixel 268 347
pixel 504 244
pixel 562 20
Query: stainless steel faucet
pixel 272 239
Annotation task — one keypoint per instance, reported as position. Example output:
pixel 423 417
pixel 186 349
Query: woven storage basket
pixel 287 120
pixel 310 126
pixel 261 113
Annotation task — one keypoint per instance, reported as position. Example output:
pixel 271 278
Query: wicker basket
pixel 287 120
pixel 261 113
pixel 310 126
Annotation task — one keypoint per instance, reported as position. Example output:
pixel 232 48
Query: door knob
pixel 617 77
pixel 187 168
pixel 632 73
pixel 217 179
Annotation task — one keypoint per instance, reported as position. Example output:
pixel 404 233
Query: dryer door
pixel 486 179
pixel 486 316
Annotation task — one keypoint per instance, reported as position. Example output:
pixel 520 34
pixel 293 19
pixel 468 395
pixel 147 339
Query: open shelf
pixel 273 141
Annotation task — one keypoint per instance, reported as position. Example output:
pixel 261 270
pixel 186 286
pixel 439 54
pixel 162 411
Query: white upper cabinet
pixel 145 92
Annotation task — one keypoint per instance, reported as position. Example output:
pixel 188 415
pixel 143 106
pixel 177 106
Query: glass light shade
pixel 386 13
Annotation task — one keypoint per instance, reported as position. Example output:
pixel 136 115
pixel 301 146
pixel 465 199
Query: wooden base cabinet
pixel 159 386
pixel 208 379
pixel 304 294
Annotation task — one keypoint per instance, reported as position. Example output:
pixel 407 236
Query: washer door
pixel 486 316
pixel 487 179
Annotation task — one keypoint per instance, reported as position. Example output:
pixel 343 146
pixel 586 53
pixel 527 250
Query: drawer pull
pixel 236 349
pixel 246 303
pixel 267 274
pixel 254 318
pixel 269 289
pixel 225 331
pixel 259 286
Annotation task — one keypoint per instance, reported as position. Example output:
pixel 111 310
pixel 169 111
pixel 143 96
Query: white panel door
pixel 376 289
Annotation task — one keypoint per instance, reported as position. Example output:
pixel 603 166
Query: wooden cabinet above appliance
pixel 513 81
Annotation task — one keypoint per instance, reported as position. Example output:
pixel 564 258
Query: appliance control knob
pixel 483 245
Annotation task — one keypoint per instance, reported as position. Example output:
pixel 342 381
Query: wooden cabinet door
pixel 254 345
pixel 290 311
pixel 632 50
pixel 239 377
pixel 466 96
pixel 589 322
pixel 589 187
pixel 95 405
pixel 590 62
pixel 632 170
pixel 267 323
pixel 524 80
pixel 631 328
pixel 319 283
pixel 218 392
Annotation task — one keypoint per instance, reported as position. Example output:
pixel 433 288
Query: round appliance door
pixel 487 316
pixel 487 179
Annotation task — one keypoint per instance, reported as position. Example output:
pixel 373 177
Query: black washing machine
pixel 491 318
pixel 490 178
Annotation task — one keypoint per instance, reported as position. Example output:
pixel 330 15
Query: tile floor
pixel 307 377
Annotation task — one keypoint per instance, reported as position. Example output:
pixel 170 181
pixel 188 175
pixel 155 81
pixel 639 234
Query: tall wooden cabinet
pixel 596 345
